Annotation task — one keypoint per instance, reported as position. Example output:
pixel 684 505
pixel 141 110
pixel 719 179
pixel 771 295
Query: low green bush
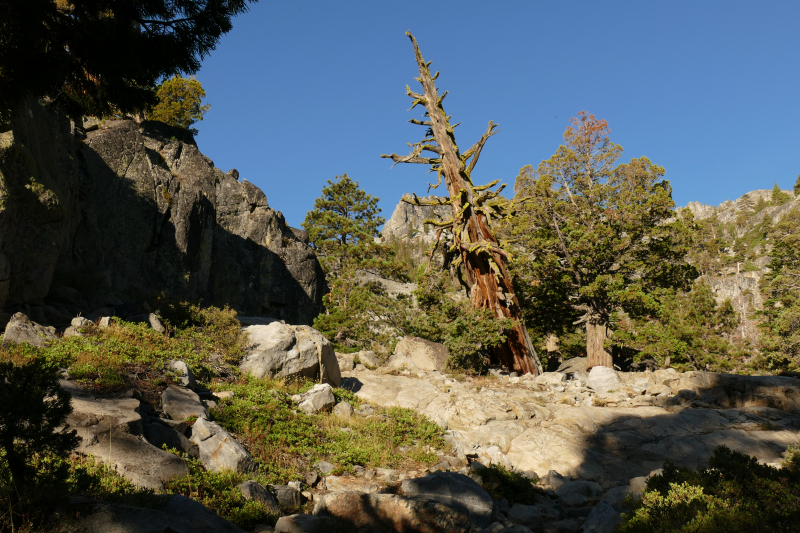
pixel 286 443
pixel 734 494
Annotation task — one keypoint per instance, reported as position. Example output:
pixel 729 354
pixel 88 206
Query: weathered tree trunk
pixel 596 335
pixel 554 359
pixel 484 260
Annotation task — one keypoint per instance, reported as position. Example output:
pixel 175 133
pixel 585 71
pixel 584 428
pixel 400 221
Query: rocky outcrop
pixel 133 210
pixel 408 221
pixel 539 424
pixel 290 351
pixel 415 354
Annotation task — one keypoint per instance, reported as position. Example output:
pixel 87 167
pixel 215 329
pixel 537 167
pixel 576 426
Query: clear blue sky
pixel 301 91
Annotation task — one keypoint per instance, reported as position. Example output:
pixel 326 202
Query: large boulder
pixel 19 329
pixel 137 209
pixel 290 351
pixel 111 430
pixel 218 451
pixel 454 490
pixel 169 514
pixel 318 398
pixel 416 354
pixel 180 404
pixel 392 512
pixel 604 379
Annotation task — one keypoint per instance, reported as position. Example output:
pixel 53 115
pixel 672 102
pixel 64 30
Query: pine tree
pixel 342 229
pixel 778 196
pixel 797 186
pixel 593 237
pixel 179 102
pixel 94 56
pixel 33 409
pixel 780 338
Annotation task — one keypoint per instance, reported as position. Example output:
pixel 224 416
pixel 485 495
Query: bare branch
pixel 410 159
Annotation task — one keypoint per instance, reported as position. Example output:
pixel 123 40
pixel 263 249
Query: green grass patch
pixel 502 483
pixel 286 443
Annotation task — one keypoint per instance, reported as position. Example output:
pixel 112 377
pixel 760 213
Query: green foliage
pixel 689 328
pixel 780 329
pixel 342 229
pixel 179 102
pixel 218 492
pixel 33 411
pixel 593 237
pixel 797 187
pixel 503 484
pixel 124 354
pixel 778 196
pixel 467 332
pixel 93 57
pixel 286 443
pixel 735 494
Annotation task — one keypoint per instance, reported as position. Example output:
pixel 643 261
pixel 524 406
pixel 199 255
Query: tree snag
pixel 474 245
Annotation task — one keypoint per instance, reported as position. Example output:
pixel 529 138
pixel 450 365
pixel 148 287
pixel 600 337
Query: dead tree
pixel 474 244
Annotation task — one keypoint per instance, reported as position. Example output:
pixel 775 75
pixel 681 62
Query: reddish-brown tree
pixel 474 207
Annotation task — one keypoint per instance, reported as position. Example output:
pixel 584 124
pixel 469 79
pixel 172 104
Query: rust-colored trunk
pixel 596 335
pixel 487 290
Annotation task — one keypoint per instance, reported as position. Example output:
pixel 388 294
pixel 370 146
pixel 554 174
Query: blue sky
pixel 301 91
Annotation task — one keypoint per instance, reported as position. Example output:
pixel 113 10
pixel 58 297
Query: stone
pixel 392 512
pixel 288 497
pixel 224 394
pixel 182 373
pixel 415 354
pixel 111 431
pixel 150 319
pixel 159 434
pixel 290 351
pixel 605 516
pixel 348 483
pixel 301 523
pixel 516 528
pixel 346 362
pixel 255 491
pixel 561 526
pixel 325 467
pixel 311 478
pixel 175 224
pixel 173 514
pixel 217 450
pixel 454 490
pixel 343 410
pixel 525 515
pixel 550 379
pixel 19 329
pixel 366 358
pixel 180 404
pixel 574 365
pixel 319 398
pixel 604 379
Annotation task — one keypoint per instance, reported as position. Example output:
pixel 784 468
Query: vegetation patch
pixel 733 494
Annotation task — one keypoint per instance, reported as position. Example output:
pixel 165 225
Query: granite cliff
pixel 96 215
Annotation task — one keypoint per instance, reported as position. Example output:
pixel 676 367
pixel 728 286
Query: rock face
pixel 408 221
pixel 290 351
pixel 416 354
pixel 135 210
pixel 454 490
pixel 111 431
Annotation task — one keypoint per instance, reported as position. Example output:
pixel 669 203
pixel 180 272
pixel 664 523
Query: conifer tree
pixel 94 56
pixel 797 187
pixel 33 409
pixel 342 229
pixel 593 237
pixel 778 196
pixel 780 339
pixel 180 102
